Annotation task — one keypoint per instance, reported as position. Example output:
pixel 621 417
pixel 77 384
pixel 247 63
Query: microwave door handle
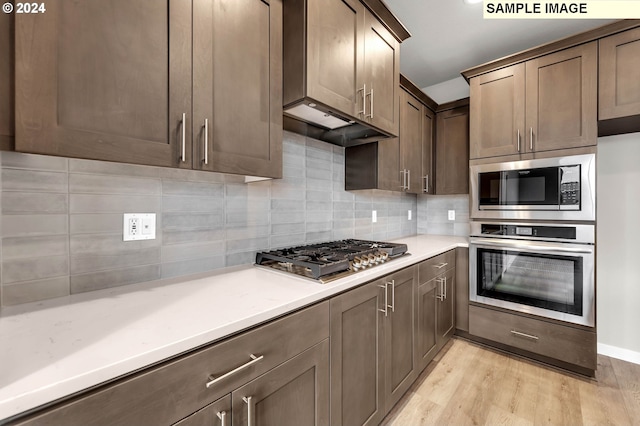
pixel 520 245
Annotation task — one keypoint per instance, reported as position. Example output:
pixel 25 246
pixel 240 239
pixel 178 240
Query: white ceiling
pixel 449 36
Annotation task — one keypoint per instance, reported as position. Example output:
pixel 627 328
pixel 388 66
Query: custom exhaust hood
pixel 328 57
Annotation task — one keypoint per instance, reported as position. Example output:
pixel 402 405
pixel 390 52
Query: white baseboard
pixel 619 353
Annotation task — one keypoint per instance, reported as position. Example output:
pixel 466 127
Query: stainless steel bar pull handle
pixel 183 153
pixel 441 295
pixel 445 287
pixel 250 406
pixel 528 336
pixel 426 183
pixel 393 295
pixel 222 415
pixel 518 140
pixel 441 265
pixel 531 138
pixel 386 300
pixel 371 104
pixel 254 360
pixel 408 179
pixel 364 100
pixel 206 141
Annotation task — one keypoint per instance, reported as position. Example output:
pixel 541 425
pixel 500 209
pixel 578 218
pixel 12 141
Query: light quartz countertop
pixel 55 348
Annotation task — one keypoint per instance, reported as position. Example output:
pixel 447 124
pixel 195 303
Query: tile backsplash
pixel 433 211
pixel 61 221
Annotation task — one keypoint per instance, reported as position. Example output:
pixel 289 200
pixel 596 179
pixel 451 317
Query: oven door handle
pixel 520 245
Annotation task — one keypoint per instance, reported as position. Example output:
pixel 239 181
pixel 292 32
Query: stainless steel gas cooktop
pixel 329 261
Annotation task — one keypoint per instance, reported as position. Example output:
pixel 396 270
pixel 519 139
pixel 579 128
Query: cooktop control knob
pixel 356 263
pixel 372 259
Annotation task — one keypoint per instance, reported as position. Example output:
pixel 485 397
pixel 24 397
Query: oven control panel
pixel 570 186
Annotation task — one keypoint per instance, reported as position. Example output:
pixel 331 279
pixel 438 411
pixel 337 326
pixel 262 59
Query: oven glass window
pixel 544 281
pixel 520 187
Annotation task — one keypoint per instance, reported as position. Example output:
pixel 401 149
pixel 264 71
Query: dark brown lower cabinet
pixel 372 348
pixel 436 305
pixel 344 362
pixel 296 393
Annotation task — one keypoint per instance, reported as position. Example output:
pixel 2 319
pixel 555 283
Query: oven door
pixel 553 280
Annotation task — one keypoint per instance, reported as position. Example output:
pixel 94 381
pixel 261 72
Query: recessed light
pixel 472 1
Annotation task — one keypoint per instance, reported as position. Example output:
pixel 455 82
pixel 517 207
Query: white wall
pixel 447 91
pixel 618 246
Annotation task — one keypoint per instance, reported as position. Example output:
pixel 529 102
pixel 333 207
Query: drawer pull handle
pixel 386 300
pixel 254 360
pixel 222 415
pixel 250 406
pixel 528 336
pixel 440 266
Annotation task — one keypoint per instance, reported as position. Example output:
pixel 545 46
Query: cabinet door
pixel 381 75
pixel 411 141
pixel 400 335
pixel 428 126
pixel 462 289
pixel 334 36
pixel 445 292
pixel 561 99
pixel 296 393
pixel 215 414
pixel 237 86
pixel 6 81
pixel 619 88
pixel 497 112
pixel 427 342
pixel 452 151
pixel 107 80
pixel 390 165
pixel 357 356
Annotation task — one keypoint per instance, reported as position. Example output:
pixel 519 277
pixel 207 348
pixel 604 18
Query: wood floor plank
pixel 440 386
pixel 500 416
pixel 601 399
pixel 474 385
pixel 518 393
pixel 558 399
pixel 628 376
pixel 476 393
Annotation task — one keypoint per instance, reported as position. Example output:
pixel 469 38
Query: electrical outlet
pixel 452 215
pixel 139 226
pixel 374 216
pixel 408 214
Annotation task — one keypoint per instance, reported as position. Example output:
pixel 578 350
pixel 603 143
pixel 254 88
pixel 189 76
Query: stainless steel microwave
pixel 561 188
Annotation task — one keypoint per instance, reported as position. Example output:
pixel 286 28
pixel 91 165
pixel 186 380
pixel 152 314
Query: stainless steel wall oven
pixel 537 268
pixel 561 188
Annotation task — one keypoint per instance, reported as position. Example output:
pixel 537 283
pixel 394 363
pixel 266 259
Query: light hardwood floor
pixel 469 384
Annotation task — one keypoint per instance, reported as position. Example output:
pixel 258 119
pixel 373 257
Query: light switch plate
pixel 452 215
pixel 408 214
pixel 374 216
pixel 139 226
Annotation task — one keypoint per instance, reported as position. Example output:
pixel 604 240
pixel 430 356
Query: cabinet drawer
pixel 432 267
pixel 166 394
pixel 556 341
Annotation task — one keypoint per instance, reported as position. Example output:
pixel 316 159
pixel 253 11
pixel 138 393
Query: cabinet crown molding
pixel 554 46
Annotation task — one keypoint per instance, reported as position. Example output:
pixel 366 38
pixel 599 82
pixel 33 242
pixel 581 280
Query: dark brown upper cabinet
pixel 547 103
pixel 497 112
pixel 619 83
pixel 452 148
pixel 393 164
pixel 341 70
pixel 113 81
pixel 6 81
pixel 428 132
pixel 237 86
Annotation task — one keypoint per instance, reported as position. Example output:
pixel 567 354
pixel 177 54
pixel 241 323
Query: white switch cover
pixel 374 216
pixel 452 215
pixel 408 214
pixel 139 226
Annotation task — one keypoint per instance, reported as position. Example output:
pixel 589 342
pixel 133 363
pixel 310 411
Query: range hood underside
pixel 321 123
